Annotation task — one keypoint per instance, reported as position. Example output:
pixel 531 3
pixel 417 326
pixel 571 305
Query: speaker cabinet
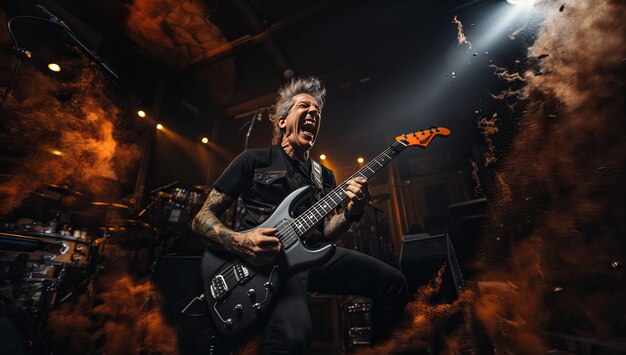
pixel 421 257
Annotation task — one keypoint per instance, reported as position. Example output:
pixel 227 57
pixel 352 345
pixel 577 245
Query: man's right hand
pixel 259 246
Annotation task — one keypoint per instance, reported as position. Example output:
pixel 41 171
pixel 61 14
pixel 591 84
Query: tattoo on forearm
pixel 209 225
pixel 335 225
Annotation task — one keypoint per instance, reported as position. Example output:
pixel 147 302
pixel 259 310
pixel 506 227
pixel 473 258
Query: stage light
pixel 521 2
pixel 360 160
pixel 323 157
pixel 159 126
pixel 141 114
pixel 205 140
pixel 56 152
pixel 54 67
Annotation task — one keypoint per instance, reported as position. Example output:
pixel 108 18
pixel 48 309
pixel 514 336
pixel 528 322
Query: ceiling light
pixel 360 160
pixel 521 2
pixel 323 157
pixel 54 67
pixel 205 140
pixel 56 152
pixel 141 114
pixel 159 126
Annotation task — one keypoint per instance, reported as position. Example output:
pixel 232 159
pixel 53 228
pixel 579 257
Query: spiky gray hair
pixel 311 85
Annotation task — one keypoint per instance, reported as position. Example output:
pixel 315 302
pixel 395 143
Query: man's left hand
pixel 358 193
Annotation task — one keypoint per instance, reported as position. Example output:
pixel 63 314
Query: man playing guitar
pixel 264 177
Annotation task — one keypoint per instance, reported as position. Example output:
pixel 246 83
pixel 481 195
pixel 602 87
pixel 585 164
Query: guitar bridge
pixel 241 272
pixel 219 288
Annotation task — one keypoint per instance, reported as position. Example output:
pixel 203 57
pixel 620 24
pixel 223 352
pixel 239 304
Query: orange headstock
pixel 422 137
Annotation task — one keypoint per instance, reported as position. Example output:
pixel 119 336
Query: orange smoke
pixel 428 326
pixel 460 35
pixel 551 257
pixel 65 130
pixel 181 33
pixel 178 33
pixel 122 321
pixel 555 224
pixel 488 128
pixel 504 74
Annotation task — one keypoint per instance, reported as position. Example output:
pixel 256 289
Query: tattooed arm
pixel 258 246
pixel 337 224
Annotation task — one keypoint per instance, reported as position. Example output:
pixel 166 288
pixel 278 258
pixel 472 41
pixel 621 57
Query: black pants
pixel 349 272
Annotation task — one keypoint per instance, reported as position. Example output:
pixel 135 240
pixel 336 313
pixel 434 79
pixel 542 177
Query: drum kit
pixel 57 241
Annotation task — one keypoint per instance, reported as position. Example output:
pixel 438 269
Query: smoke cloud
pixel 556 220
pixel 120 318
pixel 65 128
pixel 551 258
pixel 181 33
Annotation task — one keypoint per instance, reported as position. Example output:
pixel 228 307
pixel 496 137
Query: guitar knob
pixel 256 307
pixel 228 322
pixel 269 286
pixel 238 308
pixel 251 293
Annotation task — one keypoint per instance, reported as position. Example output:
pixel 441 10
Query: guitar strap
pixel 316 176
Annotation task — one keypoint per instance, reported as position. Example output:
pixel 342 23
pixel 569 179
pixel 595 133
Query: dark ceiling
pixel 386 64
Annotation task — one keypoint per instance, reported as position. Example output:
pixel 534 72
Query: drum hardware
pixel 159 195
pixel 193 301
pixel 26 243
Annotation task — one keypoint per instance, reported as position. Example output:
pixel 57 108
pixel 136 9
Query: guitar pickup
pixel 241 272
pixel 219 288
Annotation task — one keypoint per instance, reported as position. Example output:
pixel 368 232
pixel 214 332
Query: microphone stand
pixel 22 54
pixel 256 117
pixel 70 34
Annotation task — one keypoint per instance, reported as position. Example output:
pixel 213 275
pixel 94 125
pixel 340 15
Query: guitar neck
pixel 333 199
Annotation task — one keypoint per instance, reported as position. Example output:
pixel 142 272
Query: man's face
pixel 303 121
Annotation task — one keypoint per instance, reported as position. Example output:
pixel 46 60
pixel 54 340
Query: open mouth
pixel 309 128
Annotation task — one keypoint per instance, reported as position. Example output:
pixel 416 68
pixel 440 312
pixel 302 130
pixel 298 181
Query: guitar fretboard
pixel 312 216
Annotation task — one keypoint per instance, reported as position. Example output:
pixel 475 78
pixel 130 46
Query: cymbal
pixel 380 198
pixel 203 188
pixel 44 196
pixel 109 205
pixel 64 190
pixel 161 194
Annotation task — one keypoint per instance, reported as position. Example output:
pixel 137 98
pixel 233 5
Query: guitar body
pixel 240 296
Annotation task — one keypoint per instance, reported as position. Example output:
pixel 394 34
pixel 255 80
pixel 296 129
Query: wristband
pixel 350 217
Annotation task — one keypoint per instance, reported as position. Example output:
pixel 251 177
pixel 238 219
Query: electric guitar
pixel 238 295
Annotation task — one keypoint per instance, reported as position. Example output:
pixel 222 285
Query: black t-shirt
pixel 264 177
